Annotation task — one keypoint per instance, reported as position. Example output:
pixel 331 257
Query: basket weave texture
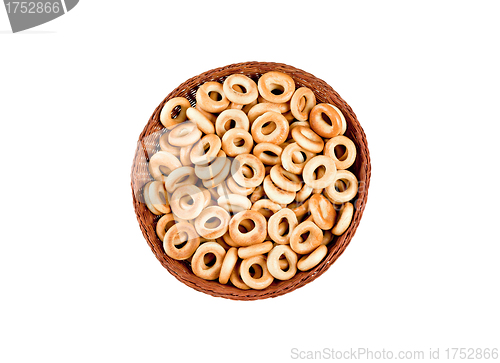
pixel 148 145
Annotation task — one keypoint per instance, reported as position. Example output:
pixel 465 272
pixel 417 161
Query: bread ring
pixel 178 234
pixel 264 150
pixel 202 121
pixel 184 155
pixel 234 203
pixel 221 241
pixel 266 207
pixel 322 211
pixel 257 194
pixel 229 241
pixel 230 119
pixel 219 178
pixel 348 194
pixel 158 197
pixel 255 250
pixel 277 82
pixel 301 209
pixel 311 260
pixel 277 194
pixel 145 194
pixel 237 170
pixel 164 224
pixel 313 240
pixel 344 219
pixel 206 102
pixel 327 238
pixel 209 171
pixel 255 283
pixel 208 115
pixel 300 110
pixel 256 235
pixel 236 188
pixel 304 193
pixel 273 225
pixel 236 277
pixel 179 177
pixel 307 139
pixel 274 264
pixel 326 120
pixel 261 108
pixel 250 93
pixel 289 156
pixel 185 133
pixel 166 146
pixel 347 159
pixel 284 179
pixel 201 156
pixel 329 175
pixel 166 112
pixel 276 136
pixel 228 265
pixel 196 207
pixel 215 230
pixel 198 265
pixel 161 164
pixel 234 136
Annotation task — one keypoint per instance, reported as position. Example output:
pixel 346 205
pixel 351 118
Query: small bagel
pixel 264 151
pixel 201 155
pixel 236 96
pixel 179 177
pixel 234 203
pixel 284 179
pixel 255 283
pixel 344 219
pixel 274 263
pixel 266 208
pixel 255 250
pixel 261 108
pixel 256 166
pixel 166 146
pixel 273 225
pixel 347 159
pixel 212 231
pixel 161 164
pixel 199 266
pixel 195 208
pixel 311 260
pixel 145 194
pixel 164 224
pixel 178 234
pixel 228 265
pixel 313 240
pixel 236 277
pixel 352 187
pixel 277 194
pixel 185 133
pixel 238 189
pixel 166 112
pixel 202 121
pixel 300 110
pixel 307 139
pixel 277 82
pixel 322 211
pixel 219 178
pixel 290 158
pixel 226 118
pixel 209 171
pixel 206 102
pixel 326 179
pixel 326 120
pixel 276 136
pixel 158 197
pixel 256 235
pixel 234 136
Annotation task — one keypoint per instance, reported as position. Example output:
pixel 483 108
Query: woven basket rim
pixel 279 287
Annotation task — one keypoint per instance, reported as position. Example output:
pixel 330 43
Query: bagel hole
pixel 325 118
pixel 206 147
pixel 187 199
pixel 255 271
pixel 283 227
pixel 249 226
pixel 340 152
pixel 340 186
pixel 169 225
pixel 230 124
pixel 212 223
pixel 239 142
pixel 164 170
pixel 175 111
pixel 277 89
pixel 305 236
pixel 302 103
pixel 239 88
pixel 299 157
pixel 209 259
pixel 320 171
pixel 216 96
pixel 247 172
pixel 270 153
pixel 283 263
pixel 181 240
pixel 268 128
pixel 182 179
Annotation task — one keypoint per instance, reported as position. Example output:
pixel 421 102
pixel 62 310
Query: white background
pixel 80 284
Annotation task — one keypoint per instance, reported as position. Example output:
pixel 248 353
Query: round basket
pixel 148 145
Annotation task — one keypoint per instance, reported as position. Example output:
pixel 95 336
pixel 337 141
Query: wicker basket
pixel 148 145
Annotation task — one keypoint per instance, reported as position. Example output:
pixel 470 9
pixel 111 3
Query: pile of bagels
pixel 251 181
